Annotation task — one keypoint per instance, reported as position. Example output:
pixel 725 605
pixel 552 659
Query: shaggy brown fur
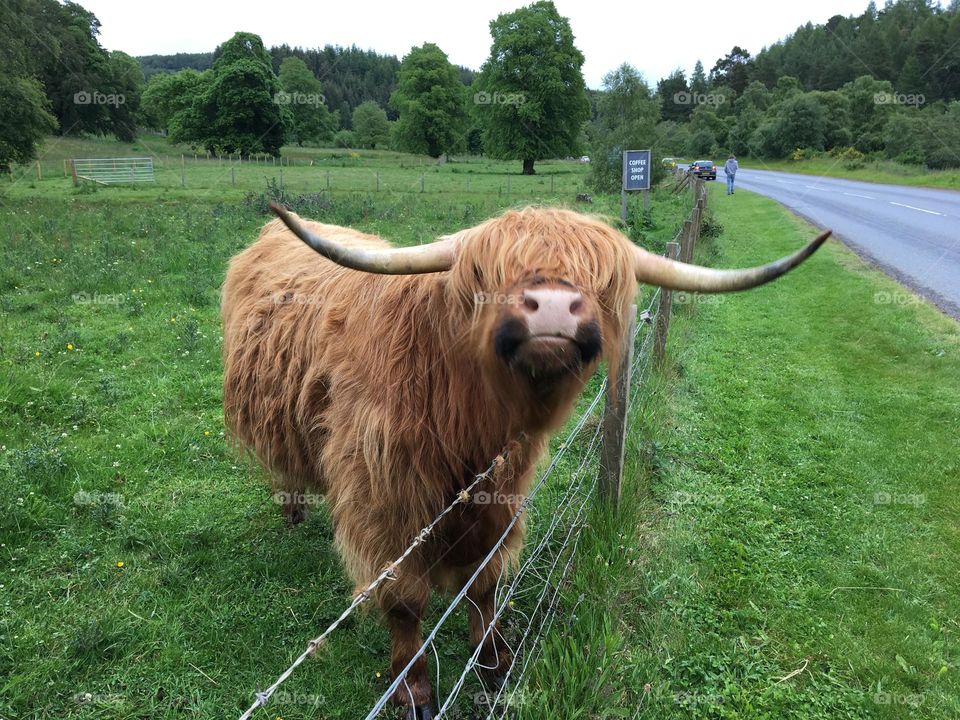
pixel 385 394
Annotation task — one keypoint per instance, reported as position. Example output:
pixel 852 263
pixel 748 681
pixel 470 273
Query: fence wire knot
pixel 464 496
pixel 314 646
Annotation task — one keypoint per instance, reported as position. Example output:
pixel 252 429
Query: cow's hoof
pixel 294 513
pixel 494 680
pixel 420 712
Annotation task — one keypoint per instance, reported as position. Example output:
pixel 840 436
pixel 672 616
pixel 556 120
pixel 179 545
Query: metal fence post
pixel 615 417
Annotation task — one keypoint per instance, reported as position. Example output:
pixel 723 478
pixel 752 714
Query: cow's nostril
pixel 530 304
pixel 576 306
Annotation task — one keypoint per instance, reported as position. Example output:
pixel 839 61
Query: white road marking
pixel 930 212
pixel 817 187
pixel 868 197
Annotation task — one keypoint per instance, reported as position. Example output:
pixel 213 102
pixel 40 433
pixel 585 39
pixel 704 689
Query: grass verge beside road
pixel 788 547
pixel 877 171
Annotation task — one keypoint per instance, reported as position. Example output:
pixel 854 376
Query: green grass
pixel 878 171
pixel 181 175
pixel 113 451
pixel 801 442
pixel 802 438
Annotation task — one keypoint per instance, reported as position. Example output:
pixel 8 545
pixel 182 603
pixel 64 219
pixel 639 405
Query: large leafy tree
pixel 24 107
pixel 239 111
pixel 302 93
pixel 676 101
pixel 733 69
pixel 698 80
pixel 167 98
pixel 24 119
pixel 87 89
pixel 371 129
pixel 124 79
pixel 530 92
pixel 431 100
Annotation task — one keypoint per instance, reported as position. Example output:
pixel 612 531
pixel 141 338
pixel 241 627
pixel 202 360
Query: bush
pixel 344 139
pixel 850 158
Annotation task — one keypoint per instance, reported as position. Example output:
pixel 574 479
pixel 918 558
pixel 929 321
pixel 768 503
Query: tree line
pixel 814 92
pixel 882 84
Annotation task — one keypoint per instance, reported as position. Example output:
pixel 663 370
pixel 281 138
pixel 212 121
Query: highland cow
pixel 387 378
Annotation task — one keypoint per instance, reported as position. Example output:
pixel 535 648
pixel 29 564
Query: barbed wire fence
pixel 550 554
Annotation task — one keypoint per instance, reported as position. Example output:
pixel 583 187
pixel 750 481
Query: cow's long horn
pixel 664 272
pixel 433 257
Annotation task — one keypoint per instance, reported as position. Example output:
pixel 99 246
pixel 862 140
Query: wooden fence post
pixel 686 238
pixel 662 328
pixel 615 417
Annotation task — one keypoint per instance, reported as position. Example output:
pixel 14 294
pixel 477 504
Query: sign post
pixel 636 176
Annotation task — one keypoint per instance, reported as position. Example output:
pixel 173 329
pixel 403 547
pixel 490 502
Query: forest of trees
pixel 884 84
pixel 56 77
pixel 350 76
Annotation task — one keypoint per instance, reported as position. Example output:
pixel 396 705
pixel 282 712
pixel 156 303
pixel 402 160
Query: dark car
pixel 704 169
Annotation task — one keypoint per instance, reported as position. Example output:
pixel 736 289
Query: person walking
pixel 730 168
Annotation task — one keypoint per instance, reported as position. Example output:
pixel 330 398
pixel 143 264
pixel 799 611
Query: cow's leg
pixel 403 602
pixel 495 657
pixel 294 508
pixel 290 493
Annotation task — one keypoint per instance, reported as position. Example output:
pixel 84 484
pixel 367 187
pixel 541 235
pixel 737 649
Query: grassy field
pixel 145 571
pixel 801 442
pixel 788 547
pixel 181 175
pixel 880 171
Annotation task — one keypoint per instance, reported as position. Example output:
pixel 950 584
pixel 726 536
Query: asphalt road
pixel 911 233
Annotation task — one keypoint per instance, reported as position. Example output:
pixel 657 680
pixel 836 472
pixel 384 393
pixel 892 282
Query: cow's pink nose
pixel 552 311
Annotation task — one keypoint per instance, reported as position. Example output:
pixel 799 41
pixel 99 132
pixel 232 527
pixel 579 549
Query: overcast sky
pixel 655 37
